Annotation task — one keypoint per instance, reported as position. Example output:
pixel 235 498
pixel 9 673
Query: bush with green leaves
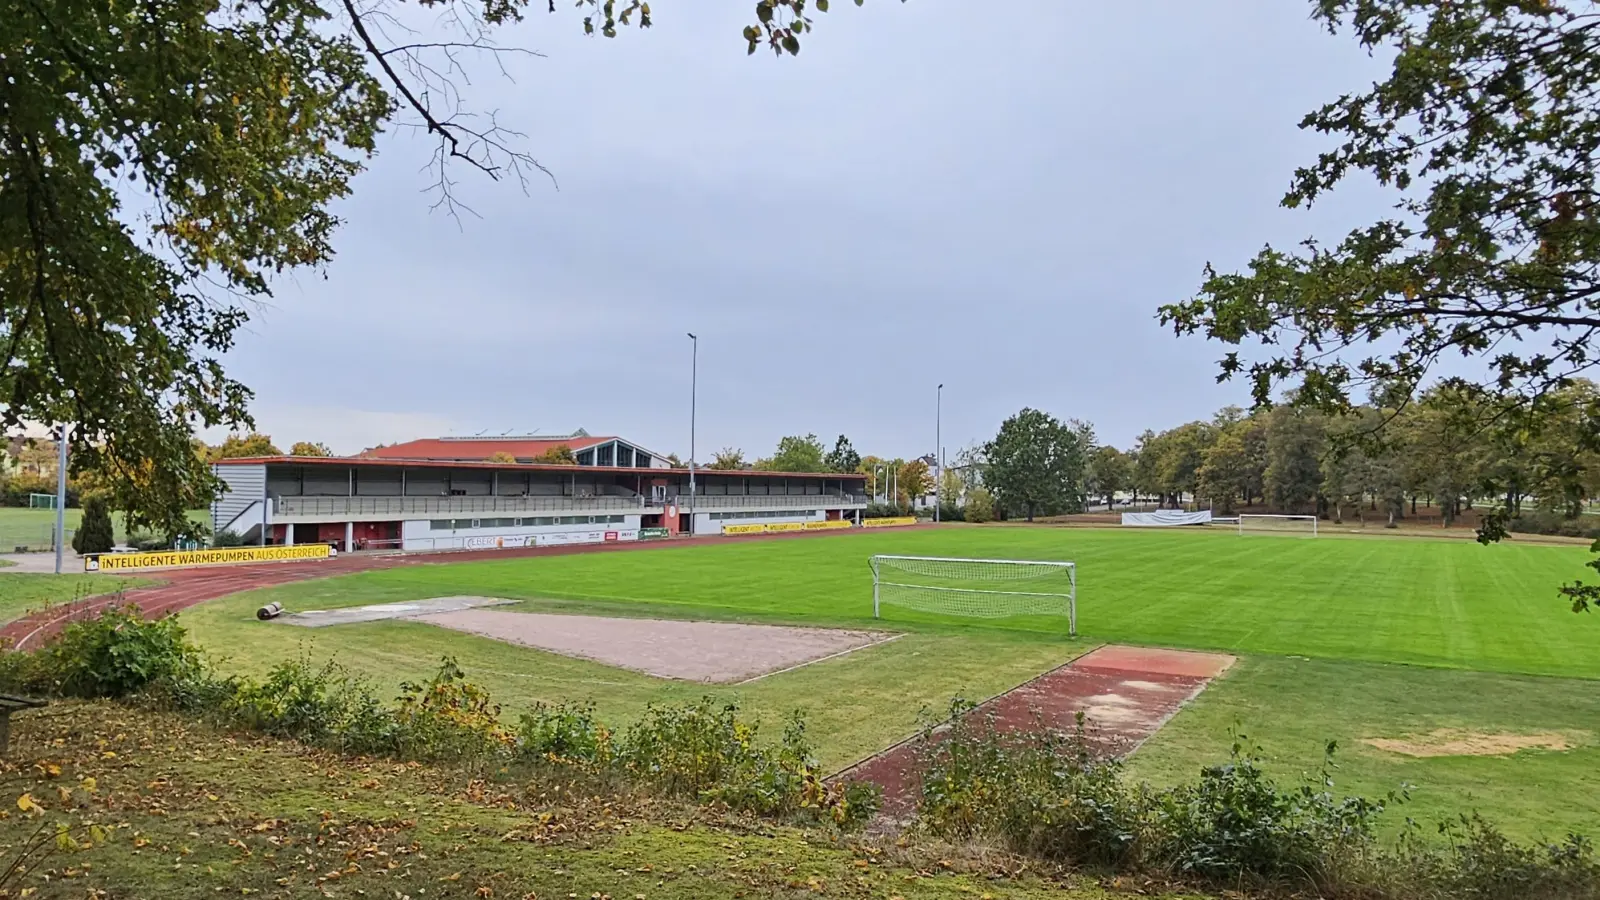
pixel 979 506
pixel 564 732
pixel 449 717
pixel 226 538
pixel 1052 795
pixel 1477 862
pixel 114 654
pixel 94 534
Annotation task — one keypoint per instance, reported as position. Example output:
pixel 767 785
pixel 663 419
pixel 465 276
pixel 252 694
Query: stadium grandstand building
pixel 485 492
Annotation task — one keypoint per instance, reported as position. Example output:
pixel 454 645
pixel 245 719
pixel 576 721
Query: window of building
pixel 606 456
pixel 641 459
pixel 624 456
pixel 440 525
pixel 586 458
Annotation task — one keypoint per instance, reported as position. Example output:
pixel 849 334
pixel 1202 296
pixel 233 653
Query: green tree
pixel 164 162
pixel 843 457
pixel 1226 471
pixel 1483 131
pixel 1035 464
pixel 913 480
pixel 499 456
pixel 236 446
pixel 979 506
pixel 1169 463
pixel 1110 473
pixel 728 459
pixel 94 534
pixel 1295 441
pixel 308 448
pixel 796 453
pixel 562 455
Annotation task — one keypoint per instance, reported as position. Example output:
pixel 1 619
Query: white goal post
pixel 1261 523
pixel 41 501
pixel 984 588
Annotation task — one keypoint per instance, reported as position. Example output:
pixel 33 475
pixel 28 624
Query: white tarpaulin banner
pixel 1167 517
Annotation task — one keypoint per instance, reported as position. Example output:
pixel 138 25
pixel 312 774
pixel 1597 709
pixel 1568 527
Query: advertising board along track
pixel 182 588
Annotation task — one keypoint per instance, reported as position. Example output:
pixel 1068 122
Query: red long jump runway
pixel 183 588
pixel 1125 693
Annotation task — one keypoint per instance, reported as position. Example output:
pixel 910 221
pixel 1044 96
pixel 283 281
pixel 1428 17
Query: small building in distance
pixel 463 493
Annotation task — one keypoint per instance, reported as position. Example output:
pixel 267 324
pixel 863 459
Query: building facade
pixel 375 502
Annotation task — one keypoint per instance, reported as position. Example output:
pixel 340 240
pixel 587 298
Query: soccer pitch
pixel 1462 619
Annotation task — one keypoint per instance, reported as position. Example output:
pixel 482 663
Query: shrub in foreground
pixel 1051 796
pixel 115 654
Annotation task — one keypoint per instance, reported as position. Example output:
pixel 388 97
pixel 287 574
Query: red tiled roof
pixel 538 467
pixel 467 449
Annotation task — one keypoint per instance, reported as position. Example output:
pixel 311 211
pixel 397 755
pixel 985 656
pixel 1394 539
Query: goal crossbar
pixel 1247 518
pixel 958 586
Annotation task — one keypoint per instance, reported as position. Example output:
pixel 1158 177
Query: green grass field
pixel 32 528
pixel 1343 639
pixel 23 592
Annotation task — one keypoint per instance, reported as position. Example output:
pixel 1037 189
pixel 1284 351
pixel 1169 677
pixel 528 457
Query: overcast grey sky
pixel 995 196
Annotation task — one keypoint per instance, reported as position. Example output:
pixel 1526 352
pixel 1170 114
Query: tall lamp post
pixel 938 457
pixel 694 391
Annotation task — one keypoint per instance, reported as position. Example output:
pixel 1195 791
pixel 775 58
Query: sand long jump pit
pixel 707 652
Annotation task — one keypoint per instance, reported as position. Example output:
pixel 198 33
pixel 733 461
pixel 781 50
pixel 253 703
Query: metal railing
pixel 768 501
pixel 428 506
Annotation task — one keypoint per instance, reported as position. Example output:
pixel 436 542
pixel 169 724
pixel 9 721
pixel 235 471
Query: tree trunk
pixel 1391 515
pixel 1338 511
pixel 1030 510
pixel 1413 504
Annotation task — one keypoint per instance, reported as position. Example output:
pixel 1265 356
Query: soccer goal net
pixel 1265 524
pixel 42 501
pixel 986 588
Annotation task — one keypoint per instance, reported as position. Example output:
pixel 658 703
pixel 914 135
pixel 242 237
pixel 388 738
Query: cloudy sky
pixel 996 200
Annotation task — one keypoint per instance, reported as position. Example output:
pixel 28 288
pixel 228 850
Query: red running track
pixel 183 588
pixel 1125 694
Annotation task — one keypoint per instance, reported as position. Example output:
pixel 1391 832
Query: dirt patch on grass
pixel 1459 742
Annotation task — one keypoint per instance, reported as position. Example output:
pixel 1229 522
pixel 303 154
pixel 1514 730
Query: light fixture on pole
pixel 938 461
pixel 694 390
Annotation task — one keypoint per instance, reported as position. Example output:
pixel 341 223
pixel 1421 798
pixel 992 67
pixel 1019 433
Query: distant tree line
pixel 1446 448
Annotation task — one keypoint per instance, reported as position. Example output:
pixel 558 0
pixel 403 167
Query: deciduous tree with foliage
pixel 728 459
pixel 237 446
pixel 843 457
pixel 1484 132
pixel 559 455
pixel 1035 465
pixel 164 161
pixel 310 448
pixel 499 456
pixel 1295 443
pixel 796 453
pixel 1110 473
pixel 979 506
pixel 912 480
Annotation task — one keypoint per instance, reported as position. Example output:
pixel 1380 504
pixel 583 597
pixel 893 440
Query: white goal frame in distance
pixel 1243 516
pixel 1070 597
pixel 49 504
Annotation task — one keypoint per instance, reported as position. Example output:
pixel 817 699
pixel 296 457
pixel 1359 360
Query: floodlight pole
pixel 694 392
pixel 61 494
pixel 938 438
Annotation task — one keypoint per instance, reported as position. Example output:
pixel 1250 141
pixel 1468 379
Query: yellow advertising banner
pixel 787 526
pixel 884 523
pixel 109 562
pixel 832 523
pixel 744 529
